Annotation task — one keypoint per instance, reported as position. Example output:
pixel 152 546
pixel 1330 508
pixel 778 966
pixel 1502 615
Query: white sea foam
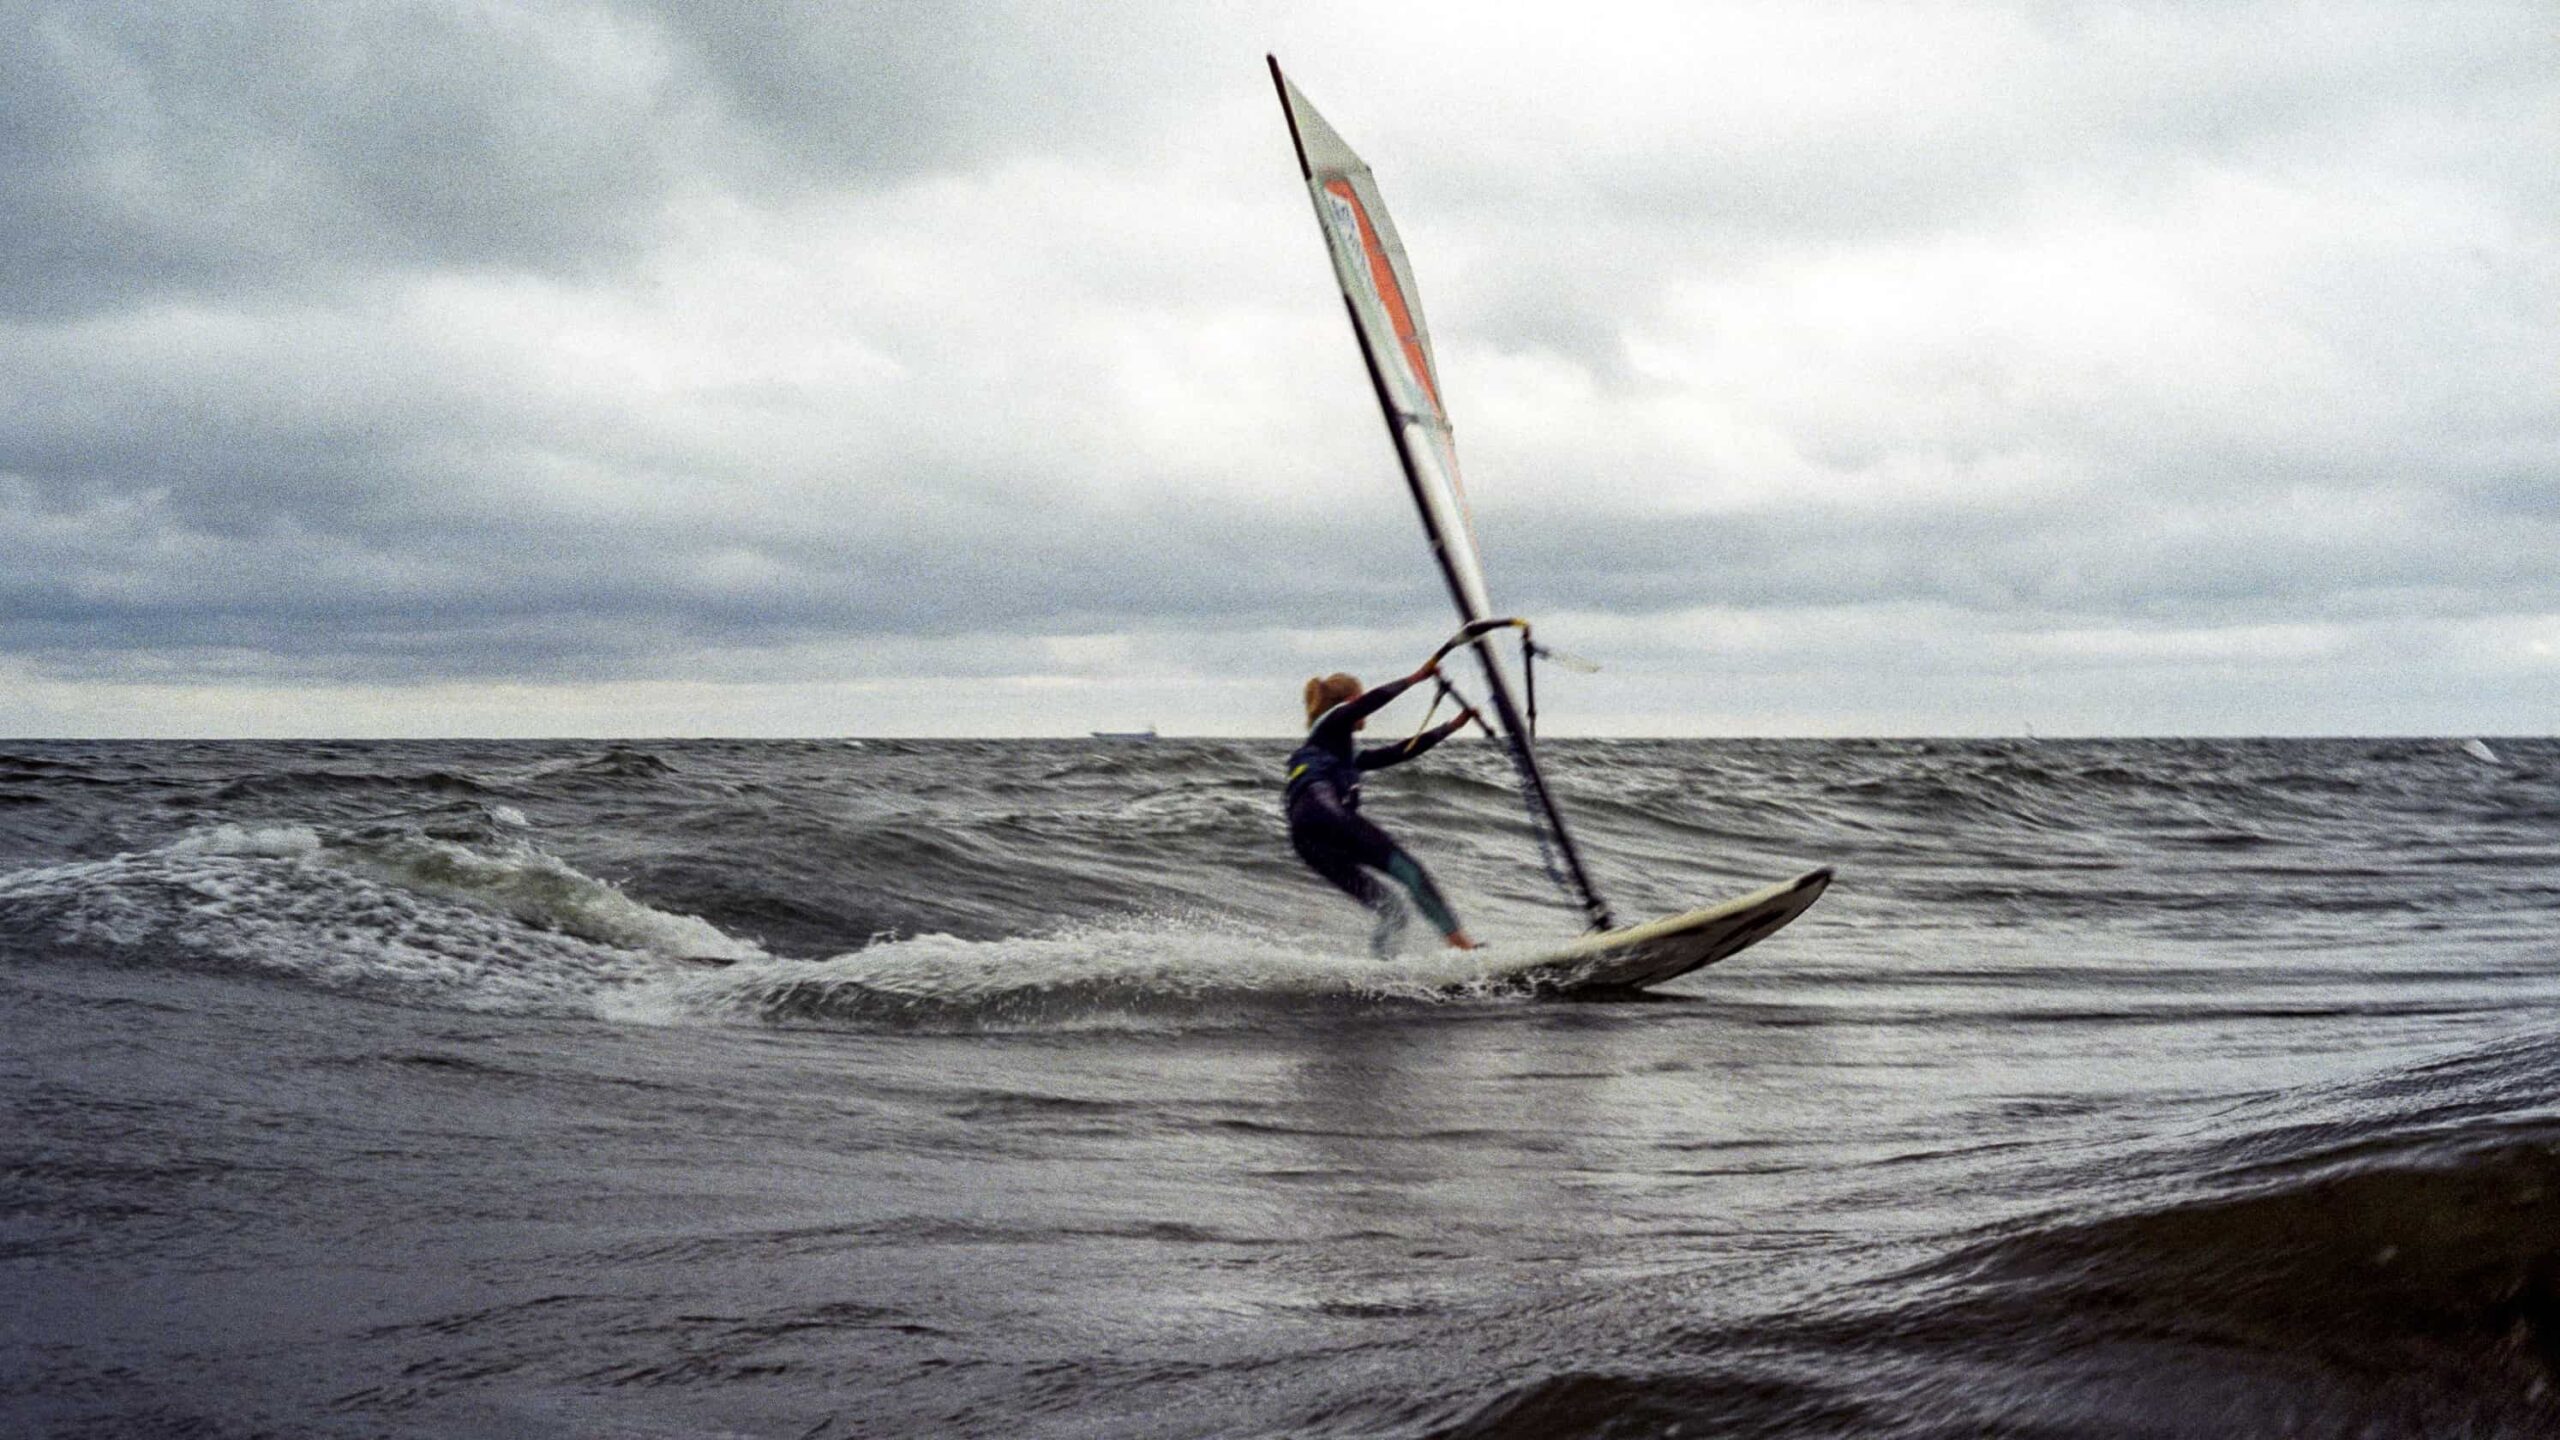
pixel 540 890
pixel 1138 969
pixel 430 920
pixel 411 918
pixel 274 841
pixel 295 916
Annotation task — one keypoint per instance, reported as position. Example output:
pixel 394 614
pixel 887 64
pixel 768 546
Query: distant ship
pixel 1147 734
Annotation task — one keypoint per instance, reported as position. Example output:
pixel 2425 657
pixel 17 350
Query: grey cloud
pixel 277 144
pixel 869 92
pixel 158 147
pixel 335 595
pixel 2087 556
pixel 482 598
pixel 2067 104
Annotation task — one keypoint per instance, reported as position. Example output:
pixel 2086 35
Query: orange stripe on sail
pixel 1383 275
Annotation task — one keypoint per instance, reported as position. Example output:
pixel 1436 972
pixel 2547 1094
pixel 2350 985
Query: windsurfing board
pixel 1642 955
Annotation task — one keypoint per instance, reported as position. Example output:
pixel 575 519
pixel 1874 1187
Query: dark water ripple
pixel 892 1088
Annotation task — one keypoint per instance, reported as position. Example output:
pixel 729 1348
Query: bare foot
pixel 1458 941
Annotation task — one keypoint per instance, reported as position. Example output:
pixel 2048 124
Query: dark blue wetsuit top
pixel 1329 765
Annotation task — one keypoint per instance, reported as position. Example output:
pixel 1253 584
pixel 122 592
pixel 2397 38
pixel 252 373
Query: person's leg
pixel 1378 850
pixel 1331 841
pixel 1329 855
pixel 1408 872
pixel 1333 853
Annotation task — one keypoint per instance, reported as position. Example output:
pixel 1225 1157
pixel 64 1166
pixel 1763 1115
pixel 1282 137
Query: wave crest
pixel 401 916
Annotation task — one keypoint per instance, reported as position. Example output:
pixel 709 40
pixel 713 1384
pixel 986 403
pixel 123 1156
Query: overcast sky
pixel 666 368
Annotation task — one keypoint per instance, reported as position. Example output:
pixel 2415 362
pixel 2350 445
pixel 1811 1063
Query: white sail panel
pixel 1369 261
pixel 1435 471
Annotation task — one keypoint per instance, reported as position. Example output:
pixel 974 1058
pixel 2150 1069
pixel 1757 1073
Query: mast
pixel 1386 318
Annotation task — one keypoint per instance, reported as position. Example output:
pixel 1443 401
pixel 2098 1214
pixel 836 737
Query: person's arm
pixel 1379 757
pixel 1373 701
pixel 1333 728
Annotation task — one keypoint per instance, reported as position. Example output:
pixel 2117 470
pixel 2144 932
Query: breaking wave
pixel 407 916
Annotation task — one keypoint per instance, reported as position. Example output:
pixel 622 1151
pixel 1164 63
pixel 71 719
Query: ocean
pixel 1031 1088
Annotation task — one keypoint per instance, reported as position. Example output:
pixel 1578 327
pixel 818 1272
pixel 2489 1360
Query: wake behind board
pixel 1659 950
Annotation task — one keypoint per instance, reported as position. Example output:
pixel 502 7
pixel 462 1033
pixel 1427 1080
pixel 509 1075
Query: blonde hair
pixel 1326 691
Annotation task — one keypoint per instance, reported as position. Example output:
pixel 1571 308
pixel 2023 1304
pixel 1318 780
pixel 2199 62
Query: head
pixel 1326 691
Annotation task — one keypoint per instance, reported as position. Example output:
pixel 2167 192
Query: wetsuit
pixel 1326 827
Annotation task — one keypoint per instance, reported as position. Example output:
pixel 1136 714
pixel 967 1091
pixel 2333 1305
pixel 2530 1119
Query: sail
pixel 1386 316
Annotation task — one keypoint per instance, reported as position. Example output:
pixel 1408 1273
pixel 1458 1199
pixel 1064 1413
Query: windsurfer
pixel 1325 824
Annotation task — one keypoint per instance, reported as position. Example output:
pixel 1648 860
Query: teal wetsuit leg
pixel 1408 872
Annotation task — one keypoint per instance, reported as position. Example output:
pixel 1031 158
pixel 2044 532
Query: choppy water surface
pixel 2121 1088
